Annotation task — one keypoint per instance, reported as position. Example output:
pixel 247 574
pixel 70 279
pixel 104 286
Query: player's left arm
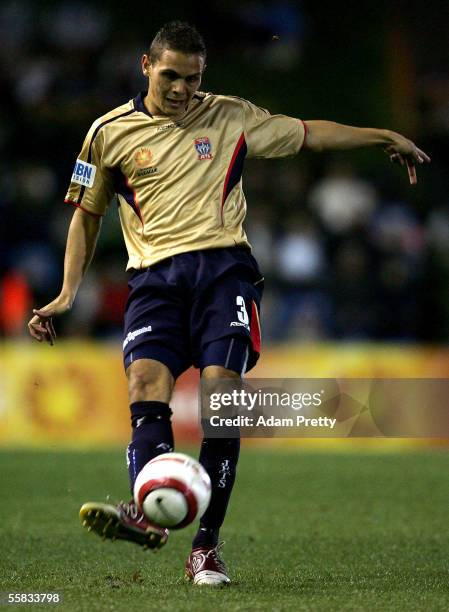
pixel 330 136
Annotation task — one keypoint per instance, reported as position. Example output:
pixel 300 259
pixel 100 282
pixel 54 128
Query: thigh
pixel 225 323
pixel 156 323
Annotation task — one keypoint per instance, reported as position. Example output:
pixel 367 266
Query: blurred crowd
pixel 348 250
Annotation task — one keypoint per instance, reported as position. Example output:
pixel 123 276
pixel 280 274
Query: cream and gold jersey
pixel 178 183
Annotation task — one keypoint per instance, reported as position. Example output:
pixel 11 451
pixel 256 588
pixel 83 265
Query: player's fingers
pixel 422 157
pixel 396 157
pixel 35 333
pixel 48 337
pixel 52 328
pixel 42 330
pixel 50 332
pixel 411 168
pixel 39 327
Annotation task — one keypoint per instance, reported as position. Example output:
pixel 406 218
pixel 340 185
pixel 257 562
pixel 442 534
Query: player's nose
pixel 179 88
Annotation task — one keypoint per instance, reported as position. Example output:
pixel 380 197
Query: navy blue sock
pixel 219 456
pixel 152 435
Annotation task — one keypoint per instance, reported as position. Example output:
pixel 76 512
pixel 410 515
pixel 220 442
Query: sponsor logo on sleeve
pixel 203 148
pixel 84 173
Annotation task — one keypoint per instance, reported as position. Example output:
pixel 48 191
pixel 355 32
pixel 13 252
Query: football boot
pixel 204 566
pixel 124 521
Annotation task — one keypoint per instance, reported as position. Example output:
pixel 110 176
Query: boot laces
pixel 131 510
pixel 214 553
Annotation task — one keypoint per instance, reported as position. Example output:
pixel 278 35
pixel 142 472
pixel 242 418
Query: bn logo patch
pixel 84 173
pixel 203 148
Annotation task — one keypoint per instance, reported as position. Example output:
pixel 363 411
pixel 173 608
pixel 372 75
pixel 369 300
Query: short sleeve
pixel 92 185
pixel 269 135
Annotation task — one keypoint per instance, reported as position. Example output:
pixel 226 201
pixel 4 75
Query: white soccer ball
pixel 172 490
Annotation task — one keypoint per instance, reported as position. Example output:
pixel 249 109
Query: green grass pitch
pixel 305 531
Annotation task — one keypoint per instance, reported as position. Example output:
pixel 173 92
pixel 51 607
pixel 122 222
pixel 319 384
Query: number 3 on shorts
pixel 242 314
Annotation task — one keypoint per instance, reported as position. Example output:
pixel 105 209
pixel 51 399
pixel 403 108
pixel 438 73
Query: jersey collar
pixel 139 104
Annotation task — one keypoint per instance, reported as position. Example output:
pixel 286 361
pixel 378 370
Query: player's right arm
pixel 91 189
pixel 80 247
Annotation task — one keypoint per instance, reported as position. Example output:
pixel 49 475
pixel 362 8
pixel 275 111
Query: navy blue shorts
pixel 199 308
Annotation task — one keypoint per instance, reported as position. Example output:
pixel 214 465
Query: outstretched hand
pixel 403 151
pixel 41 324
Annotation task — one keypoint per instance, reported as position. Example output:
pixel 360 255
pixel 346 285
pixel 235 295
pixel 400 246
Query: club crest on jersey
pixel 143 157
pixel 84 173
pixel 203 148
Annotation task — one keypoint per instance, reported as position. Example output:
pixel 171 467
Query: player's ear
pixel 145 64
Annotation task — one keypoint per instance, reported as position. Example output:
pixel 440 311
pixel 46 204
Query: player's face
pixel 173 79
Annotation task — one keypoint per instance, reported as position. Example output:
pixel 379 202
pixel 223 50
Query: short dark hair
pixel 177 36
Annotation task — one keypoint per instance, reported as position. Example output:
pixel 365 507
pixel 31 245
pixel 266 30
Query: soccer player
pixel 174 157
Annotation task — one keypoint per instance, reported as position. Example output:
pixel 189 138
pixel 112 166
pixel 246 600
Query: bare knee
pixel 215 371
pixel 149 380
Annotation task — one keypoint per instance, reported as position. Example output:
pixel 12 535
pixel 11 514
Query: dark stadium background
pixel 357 267
pixel 380 274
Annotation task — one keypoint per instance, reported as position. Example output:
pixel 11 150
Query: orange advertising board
pixel 75 393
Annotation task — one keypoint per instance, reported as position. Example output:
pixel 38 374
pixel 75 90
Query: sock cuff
pixel 205 537
pixel 149 409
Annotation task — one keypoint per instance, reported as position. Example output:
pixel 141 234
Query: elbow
pixel 317 147
pixel 312 141
pixel 313 144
